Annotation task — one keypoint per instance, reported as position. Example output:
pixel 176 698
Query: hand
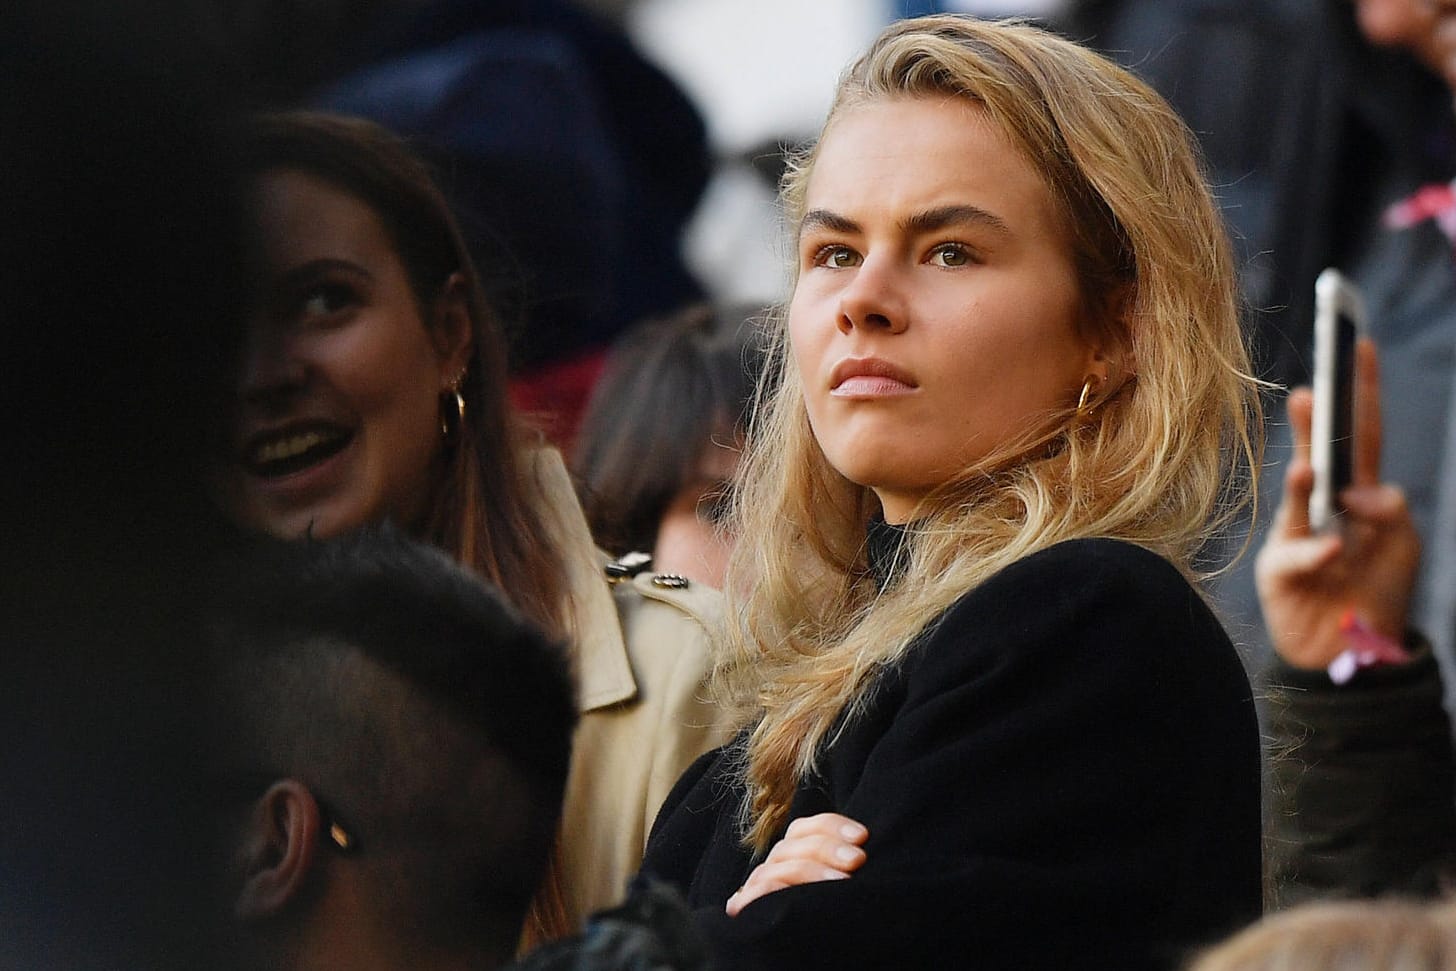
pixel 814 848
pixel 1306 582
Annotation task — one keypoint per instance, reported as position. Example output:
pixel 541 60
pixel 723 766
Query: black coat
pixel 1063 773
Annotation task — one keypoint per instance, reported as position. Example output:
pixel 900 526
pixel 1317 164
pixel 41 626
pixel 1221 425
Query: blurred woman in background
pixel 661 439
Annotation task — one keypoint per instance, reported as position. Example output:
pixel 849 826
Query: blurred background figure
pixel 661 439
pixel 1317 118
pixel 1362 768
pixel 1389 935
pixel 763 73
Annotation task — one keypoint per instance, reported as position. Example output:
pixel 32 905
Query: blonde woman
pixel 991 723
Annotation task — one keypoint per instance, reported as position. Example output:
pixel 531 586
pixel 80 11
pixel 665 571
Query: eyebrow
pixel 927 221
pixel 943 216
pixel 824 219
pixel 315 268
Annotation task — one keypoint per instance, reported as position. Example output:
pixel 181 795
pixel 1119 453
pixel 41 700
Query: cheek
pixel 392 370
pixel 807 347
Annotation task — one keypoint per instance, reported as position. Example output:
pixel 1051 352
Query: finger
pixel 828 824
pixel 1287 561
pixel 1365 470
pixel 1292 517
pixel 770 878
pixel 1300 408
pixel 1383 504
pixel 827 850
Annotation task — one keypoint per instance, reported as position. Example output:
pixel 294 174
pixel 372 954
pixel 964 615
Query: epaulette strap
pixel 628 566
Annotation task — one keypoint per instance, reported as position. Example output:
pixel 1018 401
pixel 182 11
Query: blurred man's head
pixel 1427 28
pixel 394 744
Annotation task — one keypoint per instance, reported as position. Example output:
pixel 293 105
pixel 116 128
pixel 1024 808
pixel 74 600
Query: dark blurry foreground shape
pixel 120 281
pixel 652 930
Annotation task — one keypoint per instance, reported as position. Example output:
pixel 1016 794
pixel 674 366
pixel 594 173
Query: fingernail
pixel 847 854
pixel 853 831
pixel 835 875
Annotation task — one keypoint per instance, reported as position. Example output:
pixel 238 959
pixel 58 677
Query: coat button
pixel 670 581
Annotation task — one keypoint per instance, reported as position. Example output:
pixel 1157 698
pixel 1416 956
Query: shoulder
pixel 1092 608
pixel 1110 565
pixel 670 630
pixel 664 615
pixel 668 595
pixel 1085 574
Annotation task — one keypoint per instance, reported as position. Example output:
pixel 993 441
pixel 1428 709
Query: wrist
pixel 1365 648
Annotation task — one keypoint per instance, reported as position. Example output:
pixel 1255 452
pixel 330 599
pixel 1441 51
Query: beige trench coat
pixel 642 659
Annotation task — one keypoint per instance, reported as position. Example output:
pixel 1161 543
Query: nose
pixel 873 299
pixel 273 366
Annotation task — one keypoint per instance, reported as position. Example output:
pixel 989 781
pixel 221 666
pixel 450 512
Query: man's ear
pixel 280 844
pixel 451 331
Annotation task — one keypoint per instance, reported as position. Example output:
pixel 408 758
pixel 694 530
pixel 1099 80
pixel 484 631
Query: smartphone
pixel 1339 321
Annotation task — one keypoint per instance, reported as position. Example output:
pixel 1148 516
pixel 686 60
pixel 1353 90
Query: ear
pixel 1110 356
pixel 451 330
pixel 278 850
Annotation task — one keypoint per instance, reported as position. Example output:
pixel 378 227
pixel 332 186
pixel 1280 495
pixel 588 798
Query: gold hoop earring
pixel 451 425
pixel 1083 411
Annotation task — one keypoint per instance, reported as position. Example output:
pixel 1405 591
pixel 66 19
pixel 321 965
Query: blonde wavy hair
pixel 1165 455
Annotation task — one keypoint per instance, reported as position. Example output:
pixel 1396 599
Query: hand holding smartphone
pixel 1339 321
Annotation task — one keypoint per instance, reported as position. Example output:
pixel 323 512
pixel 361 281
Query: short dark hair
pixel 428 717
pixel 670 387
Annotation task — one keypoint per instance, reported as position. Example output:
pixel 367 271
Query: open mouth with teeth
pixel 284 453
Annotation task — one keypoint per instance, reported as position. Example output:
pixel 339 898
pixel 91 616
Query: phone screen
pixel 1343 432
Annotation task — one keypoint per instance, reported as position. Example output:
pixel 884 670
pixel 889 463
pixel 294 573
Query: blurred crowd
pixel 247 726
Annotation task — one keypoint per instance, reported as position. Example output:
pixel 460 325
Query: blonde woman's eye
pixel 950 255
pixel 836 257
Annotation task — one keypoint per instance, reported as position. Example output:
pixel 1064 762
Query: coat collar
pixel 603 672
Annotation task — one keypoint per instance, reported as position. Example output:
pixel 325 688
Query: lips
pixel 869 377
pixel 285 451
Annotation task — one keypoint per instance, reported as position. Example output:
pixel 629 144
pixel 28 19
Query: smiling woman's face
pixel 336 421
pixel 935 317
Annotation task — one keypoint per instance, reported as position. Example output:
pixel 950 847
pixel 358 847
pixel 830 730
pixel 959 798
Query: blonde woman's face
pixel 935 317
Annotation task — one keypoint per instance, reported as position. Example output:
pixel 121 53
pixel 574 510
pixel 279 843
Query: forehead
pixel 902 155
pixel 301 217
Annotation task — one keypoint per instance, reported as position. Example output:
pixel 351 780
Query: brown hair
pixel 672 388
pixel 483 512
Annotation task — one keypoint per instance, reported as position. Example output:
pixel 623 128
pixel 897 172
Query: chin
pixel 315 523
